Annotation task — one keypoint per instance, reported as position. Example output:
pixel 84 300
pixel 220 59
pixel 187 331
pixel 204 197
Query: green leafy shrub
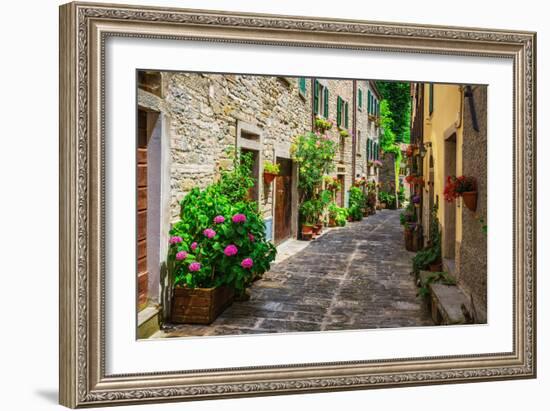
pixel 220 237
pixel 338 214
pixel 388 198
pixel 408 215
pixel 432 253
pixel 357 202
pixel 314 155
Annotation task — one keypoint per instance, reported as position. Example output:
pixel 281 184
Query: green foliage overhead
pixel 398 96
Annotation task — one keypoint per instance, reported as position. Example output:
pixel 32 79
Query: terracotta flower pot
pixel 436 267
pixel 331 222
pixel 470 200
pixel 200 305
pixel 307 232
pixel 269 177
pixel 317 228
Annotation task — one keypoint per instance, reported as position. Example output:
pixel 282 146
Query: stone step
pixel 449 304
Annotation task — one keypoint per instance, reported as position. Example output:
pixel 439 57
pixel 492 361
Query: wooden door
pixel 283 200
pixel 341 193
pixel 141 219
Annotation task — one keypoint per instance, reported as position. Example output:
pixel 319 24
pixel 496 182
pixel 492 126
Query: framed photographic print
pixel 259 204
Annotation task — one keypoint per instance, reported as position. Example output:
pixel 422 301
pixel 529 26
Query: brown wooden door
pixel 283 200
pixel 341 193
pixel 141 220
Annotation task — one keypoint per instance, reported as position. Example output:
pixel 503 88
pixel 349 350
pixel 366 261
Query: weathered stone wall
pixel 472 256
pixel 204 110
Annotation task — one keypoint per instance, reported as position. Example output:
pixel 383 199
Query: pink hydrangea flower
pixel 219 219
pixel 230 250
pixel 239 218
pixel 251 237
pixel 194 245
pixel 194 266
pixel 247 263
pixel 209 233
pixel 175 240
pixel 181 255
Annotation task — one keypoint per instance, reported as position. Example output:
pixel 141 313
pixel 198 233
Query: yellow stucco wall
pixel 445 120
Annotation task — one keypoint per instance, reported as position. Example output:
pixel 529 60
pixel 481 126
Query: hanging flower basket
pixel 470 199
pixel 269 177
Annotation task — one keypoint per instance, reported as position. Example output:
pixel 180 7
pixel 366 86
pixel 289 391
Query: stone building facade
pixel 192 124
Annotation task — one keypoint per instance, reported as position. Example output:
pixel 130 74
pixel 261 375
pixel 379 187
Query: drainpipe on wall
pixel 353 132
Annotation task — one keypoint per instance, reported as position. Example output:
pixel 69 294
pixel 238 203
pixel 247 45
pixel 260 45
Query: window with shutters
pixel 342 113
pixel 360 99
pixel 321 99
pixel 368 149
pixel 368 101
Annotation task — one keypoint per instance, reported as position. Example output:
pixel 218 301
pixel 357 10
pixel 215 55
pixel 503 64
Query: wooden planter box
pixel 200 305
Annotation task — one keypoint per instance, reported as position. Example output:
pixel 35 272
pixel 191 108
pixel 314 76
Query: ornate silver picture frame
pixel 84 29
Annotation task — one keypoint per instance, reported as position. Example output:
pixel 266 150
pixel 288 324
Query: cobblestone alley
pixel 354 277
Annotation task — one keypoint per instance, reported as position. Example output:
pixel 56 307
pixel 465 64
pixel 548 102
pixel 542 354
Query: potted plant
pixel 464 187
pixel 356 204
pixel 430 257
pixel 337 216
pixel 271 170
pixel 308 212
pixel 216 249
pixel 344 133
pixel 322 124
pixel 331 183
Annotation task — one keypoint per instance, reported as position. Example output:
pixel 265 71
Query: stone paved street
pixel 355 277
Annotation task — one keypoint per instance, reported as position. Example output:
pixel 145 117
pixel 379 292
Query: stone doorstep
pixel 148 321
pixel 448 304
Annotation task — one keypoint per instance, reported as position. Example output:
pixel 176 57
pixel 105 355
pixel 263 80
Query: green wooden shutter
pixel 316 97
pixel 302 85
pixel 347 116
pixel 360 98
pixel 368 102
pixel 376 151
pixel 369 149
pixel 325 108
pixel 338 111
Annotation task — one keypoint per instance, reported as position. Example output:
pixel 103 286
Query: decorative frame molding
pixel 83 30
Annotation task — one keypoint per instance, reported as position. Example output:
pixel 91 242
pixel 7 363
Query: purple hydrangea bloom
pixel 175 240
pixel 209 233
pixel 219 219
pixel 181 255
pixel 239 218
pixel 194 266
pixel 416 199
pixel 247 263
pixel 194 246
pixel 230 250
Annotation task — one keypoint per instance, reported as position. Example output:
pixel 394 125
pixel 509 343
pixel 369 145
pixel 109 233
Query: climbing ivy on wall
pixel 388 138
